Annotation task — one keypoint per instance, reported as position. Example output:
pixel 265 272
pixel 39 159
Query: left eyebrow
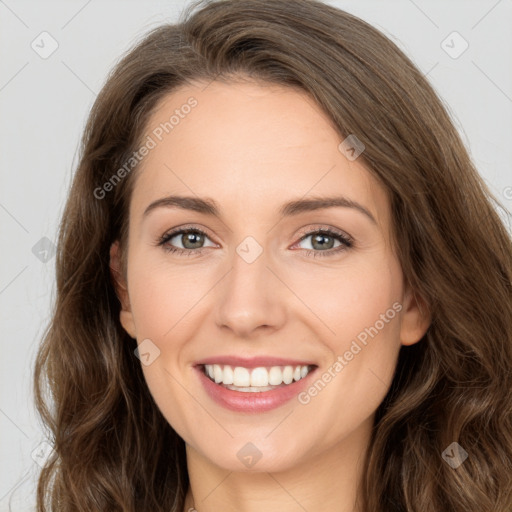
pixel 319 203
pixel 208 206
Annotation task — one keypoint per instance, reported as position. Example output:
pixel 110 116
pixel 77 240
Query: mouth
pixel 256 379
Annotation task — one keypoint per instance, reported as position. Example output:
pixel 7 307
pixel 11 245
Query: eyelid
pixel 187 227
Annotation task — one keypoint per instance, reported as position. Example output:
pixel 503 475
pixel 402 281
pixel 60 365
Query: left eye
pixel 324 240
pixel 192 239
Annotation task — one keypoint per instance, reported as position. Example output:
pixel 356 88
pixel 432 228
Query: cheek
pixel 361 308
pixel 162 297
pixel 337 305
pixel 343 302
pixel 162 301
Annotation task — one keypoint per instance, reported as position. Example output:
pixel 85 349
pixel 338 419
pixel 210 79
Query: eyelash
pixel 346 242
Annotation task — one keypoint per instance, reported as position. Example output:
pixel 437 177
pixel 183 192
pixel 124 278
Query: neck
pixel 329 480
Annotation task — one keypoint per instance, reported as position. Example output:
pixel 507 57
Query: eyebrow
pixel 208 206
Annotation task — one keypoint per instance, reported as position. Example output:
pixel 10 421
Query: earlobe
pixel 121 289
pixel 416 319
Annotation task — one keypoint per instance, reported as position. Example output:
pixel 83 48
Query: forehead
pixel 250 146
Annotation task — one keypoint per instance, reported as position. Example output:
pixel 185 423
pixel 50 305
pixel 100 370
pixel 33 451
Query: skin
pixel 251 147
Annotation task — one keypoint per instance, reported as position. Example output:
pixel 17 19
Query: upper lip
pixel 253 362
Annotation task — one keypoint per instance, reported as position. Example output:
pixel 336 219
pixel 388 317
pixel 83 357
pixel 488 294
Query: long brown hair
pixel 113 449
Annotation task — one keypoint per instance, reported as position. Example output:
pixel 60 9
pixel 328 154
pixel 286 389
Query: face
pixel 259 284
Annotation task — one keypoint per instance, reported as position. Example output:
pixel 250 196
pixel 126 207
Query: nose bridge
pixel 250 297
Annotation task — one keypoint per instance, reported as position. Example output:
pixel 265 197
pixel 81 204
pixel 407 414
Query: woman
pixel 339 339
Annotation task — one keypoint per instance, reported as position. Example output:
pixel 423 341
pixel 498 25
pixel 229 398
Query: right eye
pixel 186 236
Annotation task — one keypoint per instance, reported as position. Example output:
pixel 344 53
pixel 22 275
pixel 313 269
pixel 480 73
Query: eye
pixel 190 239
pixel 323 240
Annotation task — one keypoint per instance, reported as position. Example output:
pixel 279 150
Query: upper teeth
pixel 260 377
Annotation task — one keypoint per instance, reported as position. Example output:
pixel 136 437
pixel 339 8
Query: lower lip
pixel 255 402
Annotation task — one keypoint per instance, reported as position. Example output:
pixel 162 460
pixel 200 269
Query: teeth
pixel 227 376
pixel 241 377
pixel 257 379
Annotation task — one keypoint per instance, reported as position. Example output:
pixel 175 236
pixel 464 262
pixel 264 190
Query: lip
pixel 257 402
pixel 253 362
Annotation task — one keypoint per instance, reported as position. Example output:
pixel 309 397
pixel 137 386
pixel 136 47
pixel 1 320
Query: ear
pixel 416 319
pixel 121 288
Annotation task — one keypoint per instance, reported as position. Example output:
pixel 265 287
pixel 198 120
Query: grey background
pixel 44 104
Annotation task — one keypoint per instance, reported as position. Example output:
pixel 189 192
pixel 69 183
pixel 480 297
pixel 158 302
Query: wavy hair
pixel 112 445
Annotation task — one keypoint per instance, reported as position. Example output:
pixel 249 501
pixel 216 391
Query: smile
pixel 257 379
pixel 253 389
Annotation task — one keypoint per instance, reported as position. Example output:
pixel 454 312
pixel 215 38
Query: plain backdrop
pixel 44 102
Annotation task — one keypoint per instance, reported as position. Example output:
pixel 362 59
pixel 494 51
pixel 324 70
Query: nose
pixel 251 298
